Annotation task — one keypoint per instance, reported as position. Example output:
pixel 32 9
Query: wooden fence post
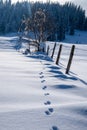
pixel 53 50
pixel 70 59
pixel 59 52
pixel 43 49
pixel 48 50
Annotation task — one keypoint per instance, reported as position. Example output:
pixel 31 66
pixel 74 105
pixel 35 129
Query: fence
pixel 59 54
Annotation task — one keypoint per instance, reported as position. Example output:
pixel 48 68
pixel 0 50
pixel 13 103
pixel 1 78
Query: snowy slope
pixel 36 94
pixel 80 37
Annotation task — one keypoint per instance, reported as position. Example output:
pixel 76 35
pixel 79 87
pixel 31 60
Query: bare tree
pixel 36 25
pixel 40 19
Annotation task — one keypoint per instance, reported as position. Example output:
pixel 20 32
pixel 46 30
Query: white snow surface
pixel 36 94
pixel 80 37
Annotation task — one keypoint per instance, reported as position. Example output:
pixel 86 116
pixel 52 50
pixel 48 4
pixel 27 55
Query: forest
pixel 60 19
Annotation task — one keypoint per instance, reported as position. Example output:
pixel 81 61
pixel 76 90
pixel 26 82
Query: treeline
pixel 11 15
pixel 60 19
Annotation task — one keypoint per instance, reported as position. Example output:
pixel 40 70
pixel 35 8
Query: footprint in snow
pixel 46 94
pixel 41 76
pixel 41 73
pixel 42 81
pixel 50 110
pixel 44 87
pixel 47 112
pixel 47 103
pixel 54 128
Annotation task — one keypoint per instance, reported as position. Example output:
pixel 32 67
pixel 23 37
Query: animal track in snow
pixel 54 128
pixel 46 94
pixel 47 103
pixel 41 76
pixel 41 73
pixel 42 81
pixel 51 109
pixel 49 112
pixel 44 87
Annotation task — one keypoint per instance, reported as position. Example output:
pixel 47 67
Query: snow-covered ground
pixel 36 94
pixel 80 37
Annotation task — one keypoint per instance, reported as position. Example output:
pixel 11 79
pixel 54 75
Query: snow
pixel 36 94
pixel 80 37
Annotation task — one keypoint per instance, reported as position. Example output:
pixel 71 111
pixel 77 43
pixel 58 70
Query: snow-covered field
pixel 36 94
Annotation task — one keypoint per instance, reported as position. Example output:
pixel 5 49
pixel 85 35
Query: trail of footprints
pixel 50 110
